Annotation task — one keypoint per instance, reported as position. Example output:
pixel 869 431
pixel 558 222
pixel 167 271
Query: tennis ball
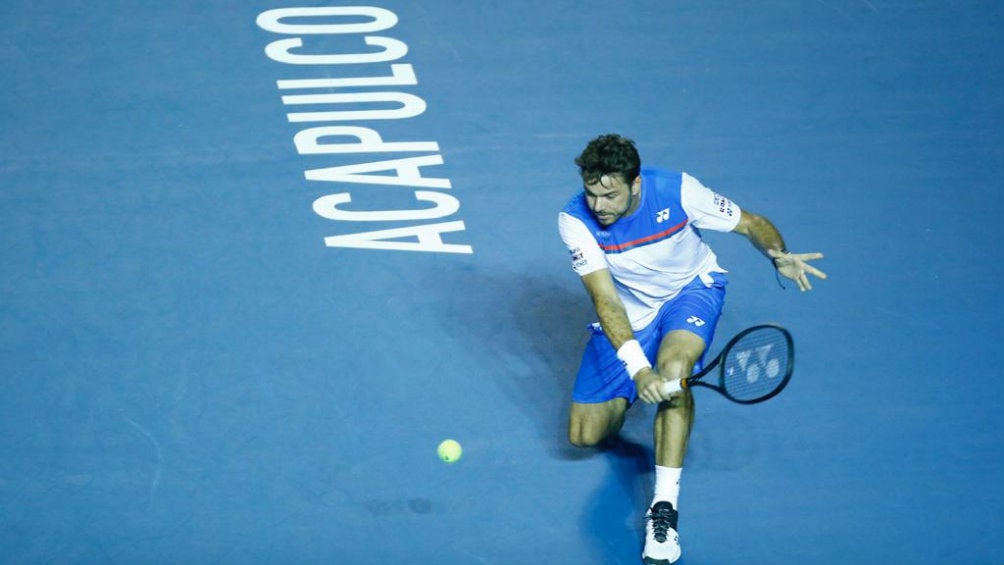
pixel 450 451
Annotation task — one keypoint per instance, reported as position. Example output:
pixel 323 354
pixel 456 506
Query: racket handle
pixel 673 387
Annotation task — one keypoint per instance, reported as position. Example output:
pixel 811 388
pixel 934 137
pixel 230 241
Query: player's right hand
pixel 650 386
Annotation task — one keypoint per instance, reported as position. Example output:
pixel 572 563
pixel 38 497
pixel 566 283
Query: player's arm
pixel 609 308
pixel 765 236
pixel 614 320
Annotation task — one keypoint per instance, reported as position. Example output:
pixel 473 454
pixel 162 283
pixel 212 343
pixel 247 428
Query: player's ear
pixel 636 184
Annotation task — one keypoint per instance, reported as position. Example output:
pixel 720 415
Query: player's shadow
pixel 614 516
pixel 530 330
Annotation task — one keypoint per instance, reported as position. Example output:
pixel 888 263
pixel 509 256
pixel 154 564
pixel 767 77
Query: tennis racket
pixel 754 366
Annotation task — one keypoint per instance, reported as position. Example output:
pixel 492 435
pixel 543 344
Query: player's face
pixel 611 197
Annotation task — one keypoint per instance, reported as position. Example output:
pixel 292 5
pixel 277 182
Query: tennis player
pixel 634 239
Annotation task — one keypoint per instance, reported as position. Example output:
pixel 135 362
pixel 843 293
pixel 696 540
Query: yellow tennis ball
pixel 450 451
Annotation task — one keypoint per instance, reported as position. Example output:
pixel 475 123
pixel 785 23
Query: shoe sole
pixel 652 561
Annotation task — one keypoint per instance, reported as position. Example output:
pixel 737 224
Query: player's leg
pixel 688 325
pixel 679 352
pixel 591 423
pixel 602 394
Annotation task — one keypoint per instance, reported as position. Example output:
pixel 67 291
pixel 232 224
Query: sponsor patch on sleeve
pixel 578 257
pixel 724 205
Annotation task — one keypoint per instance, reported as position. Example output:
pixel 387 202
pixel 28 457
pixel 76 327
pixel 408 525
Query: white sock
pixel 667 484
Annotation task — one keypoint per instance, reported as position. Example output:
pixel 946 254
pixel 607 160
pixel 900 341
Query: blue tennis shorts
pixel 696 309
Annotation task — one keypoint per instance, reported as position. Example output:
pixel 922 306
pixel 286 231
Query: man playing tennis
pixel 658 292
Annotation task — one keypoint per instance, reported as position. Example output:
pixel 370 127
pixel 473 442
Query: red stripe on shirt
pixel 646 239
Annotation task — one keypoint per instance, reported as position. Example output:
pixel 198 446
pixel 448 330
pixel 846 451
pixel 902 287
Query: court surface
pixel 192 375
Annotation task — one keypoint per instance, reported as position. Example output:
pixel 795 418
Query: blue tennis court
pixel 260 257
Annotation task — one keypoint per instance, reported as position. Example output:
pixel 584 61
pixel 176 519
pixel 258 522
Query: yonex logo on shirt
pixel 696 321
pixel 662 216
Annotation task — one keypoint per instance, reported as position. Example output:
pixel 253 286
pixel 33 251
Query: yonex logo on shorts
pixel 662 216
pixel 696 321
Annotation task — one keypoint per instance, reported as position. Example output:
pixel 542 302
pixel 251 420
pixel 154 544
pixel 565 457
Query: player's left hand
pixel 795 266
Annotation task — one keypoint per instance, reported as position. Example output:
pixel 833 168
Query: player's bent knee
pixel 581 440
pixel 582 435
pixel 590 424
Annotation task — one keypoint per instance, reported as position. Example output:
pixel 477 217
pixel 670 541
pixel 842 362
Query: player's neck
pixel 636 200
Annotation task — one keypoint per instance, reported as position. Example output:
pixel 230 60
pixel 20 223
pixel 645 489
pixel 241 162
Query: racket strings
pixel 757 365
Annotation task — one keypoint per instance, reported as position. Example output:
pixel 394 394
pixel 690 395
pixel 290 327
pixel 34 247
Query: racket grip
pixel 673 387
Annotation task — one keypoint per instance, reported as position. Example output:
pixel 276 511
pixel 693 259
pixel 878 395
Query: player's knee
pixel 581 435
pixel 590 424
pixel 676 368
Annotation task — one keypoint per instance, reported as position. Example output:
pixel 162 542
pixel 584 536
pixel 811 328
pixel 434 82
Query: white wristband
pixel 633 357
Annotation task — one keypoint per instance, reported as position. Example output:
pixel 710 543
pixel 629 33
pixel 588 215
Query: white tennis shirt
pixel 656 251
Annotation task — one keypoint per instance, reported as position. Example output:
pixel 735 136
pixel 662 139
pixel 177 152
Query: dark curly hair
pixel 609 154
